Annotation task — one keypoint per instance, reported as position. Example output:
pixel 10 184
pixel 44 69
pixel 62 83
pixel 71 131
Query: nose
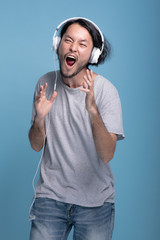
pixel 73 47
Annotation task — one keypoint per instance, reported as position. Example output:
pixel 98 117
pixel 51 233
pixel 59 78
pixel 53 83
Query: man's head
pixel 74 32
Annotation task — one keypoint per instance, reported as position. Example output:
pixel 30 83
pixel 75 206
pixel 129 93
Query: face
pixel 74 50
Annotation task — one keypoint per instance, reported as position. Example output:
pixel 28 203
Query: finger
pixel 84 90
pixel 45 86
pixel 39 94
pixel 90 74
pixel 37 97
pixel 85 85
pixel 43 89
pixel 54 95
pixel 87 81
pixel 91 78
pixel 40 91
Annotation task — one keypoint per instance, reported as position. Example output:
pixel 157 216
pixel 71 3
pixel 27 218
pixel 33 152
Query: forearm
pixel 105 142
pixel 37 134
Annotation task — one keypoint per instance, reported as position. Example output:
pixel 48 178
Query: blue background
pixel 133 28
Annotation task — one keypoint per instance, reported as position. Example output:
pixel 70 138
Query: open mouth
pixel 70 60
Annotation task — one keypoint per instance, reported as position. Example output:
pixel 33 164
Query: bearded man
pixel 78 126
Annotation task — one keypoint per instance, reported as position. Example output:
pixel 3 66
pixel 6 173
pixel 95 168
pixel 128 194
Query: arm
pixel 37 134
pixel 105 142
pixel 37 131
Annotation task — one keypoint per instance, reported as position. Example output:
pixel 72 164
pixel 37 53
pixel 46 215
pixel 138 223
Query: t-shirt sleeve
pixel 37 88
pixel 111 111
pixel 48 77
pixel 113 118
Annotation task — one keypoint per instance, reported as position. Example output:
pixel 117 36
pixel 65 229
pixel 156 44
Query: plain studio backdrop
pixel 133 28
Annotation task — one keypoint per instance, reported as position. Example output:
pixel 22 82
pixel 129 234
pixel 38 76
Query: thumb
pixel 52 98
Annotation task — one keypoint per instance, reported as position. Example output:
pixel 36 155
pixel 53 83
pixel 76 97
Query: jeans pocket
pixel 31 214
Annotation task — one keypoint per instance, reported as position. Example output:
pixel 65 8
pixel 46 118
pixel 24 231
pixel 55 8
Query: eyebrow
pixel 82 40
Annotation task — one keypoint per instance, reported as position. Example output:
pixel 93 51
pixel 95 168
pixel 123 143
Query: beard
pixel 79 68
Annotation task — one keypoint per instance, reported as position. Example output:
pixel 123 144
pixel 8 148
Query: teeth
pixel 71 57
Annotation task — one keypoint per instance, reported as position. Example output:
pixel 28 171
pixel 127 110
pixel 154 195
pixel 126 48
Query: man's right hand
pixel 43 106
pixel 37 131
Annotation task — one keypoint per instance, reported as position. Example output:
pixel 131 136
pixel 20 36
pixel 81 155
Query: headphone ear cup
pixel 96 52
pixel 56 42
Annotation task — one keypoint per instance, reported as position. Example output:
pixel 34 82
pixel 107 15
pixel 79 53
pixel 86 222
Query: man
pixel 78 125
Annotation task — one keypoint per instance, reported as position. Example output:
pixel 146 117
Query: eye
pixel 83 45
pixel 67 40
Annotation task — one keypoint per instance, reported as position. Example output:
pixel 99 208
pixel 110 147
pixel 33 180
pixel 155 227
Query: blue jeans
pixel 53 220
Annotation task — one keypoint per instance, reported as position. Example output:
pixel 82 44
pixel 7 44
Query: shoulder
pixel 105 88
pixel 47 77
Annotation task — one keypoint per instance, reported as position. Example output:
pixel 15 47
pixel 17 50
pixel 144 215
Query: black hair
pixel 96 38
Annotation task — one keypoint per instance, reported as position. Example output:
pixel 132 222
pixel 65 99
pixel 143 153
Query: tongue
pixel 70 61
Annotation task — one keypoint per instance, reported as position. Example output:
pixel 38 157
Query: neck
pixel 76 81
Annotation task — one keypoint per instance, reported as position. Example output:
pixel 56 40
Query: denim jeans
pixel 53 220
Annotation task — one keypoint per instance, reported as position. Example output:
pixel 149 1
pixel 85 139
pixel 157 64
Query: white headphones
pixel 96 52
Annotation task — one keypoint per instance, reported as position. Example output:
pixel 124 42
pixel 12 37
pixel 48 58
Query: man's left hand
pixel 88 88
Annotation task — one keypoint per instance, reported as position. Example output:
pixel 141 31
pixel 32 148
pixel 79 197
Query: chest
pixel 69 112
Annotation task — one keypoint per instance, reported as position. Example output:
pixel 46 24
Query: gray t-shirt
pixel 71 170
